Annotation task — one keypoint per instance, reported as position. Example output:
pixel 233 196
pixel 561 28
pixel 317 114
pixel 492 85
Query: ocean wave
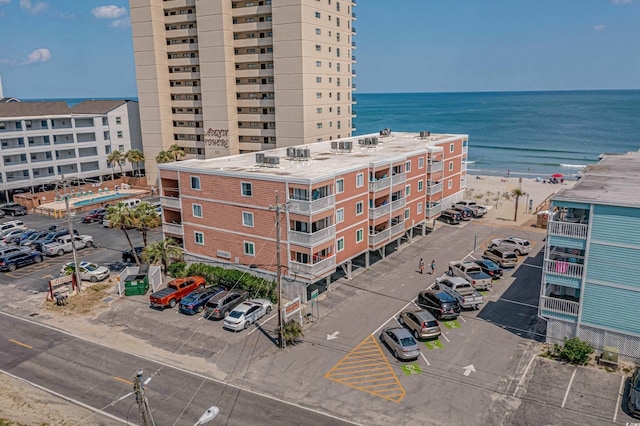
pixel 574 166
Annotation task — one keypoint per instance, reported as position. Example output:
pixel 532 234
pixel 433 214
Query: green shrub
pixel 573 351
pixel 291 331
pixel 233 278
pixel 177 270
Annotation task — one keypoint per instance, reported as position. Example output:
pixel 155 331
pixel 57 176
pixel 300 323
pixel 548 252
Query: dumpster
pixel 137 284
pixel 543 218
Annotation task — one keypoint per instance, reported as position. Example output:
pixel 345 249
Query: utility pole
pixel 279 208
pixel 65 184
pixel 143 403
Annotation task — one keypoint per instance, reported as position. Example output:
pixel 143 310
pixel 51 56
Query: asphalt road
pixel 96 375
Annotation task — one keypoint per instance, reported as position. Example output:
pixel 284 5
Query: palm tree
pixel 116 157
pixel 162 252
pixel 122 217
pixel 177 151
pixel 517 193
pixel 165 157
pixel 145 218
pixel 135 157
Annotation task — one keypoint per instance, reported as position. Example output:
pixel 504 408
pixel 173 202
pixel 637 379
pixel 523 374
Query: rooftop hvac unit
pixel 367 141
pixel 348 145
pixel 360 141
pixel 260 158
pixel 275 160
pixel 306 153
pixel 341 145
pixel 374 141
pixel 423 134
pixel 334 145
pixel 291 152
pixel 299 152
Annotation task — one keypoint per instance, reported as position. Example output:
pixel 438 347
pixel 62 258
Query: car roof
pixel 244 307
pixel 399 331
pixel 422 314
pixel 260 301
pixel 486 262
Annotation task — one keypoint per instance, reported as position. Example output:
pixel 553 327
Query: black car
pixel 13 209
pixel 442 305
pixel 465 212
pixel 489 268
pixel 12 261
pixel 127 255
pixel 633 401
pixel 451 217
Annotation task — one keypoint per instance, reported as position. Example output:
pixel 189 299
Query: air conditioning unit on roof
pixel 291 152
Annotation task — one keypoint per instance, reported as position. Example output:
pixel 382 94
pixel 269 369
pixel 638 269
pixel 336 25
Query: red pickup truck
pixel 175 291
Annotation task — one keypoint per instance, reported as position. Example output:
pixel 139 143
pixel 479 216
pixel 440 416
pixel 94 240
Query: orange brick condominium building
pixel 344 198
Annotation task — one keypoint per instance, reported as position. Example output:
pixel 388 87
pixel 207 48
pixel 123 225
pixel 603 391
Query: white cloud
pixel 38 55
pixel 120 23
pixel 33 8
pixel 621 1
pixel 5 1
pixel 599 27
pixel 109 12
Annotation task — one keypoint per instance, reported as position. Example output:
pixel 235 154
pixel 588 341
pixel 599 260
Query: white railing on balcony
pixel 566 229
pixel 379 211
pixel 564 268
pixel 306 239
pixel 434 189
pixel 398 204
pixel 397 229
pixel 170 202
pixel 303 206
pixel 436 166
pixel 375 239
pixel 399 178
pixel 432 211
pixel 558 305
pixel 172 228
pixel 316 269
pixel 379 185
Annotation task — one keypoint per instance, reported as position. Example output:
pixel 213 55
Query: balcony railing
pixel 563 268
pixel 397 229
pixel 170 202
pixel 308 240
pixel 316 269
pixel 375 239
pixel 398 204
pixel 379 211
pixel 172 228
pixel 434 189
pixel 566 229
pixel 432 211
pixel 399 178
pixel 436 166
pixel 303 206
pixel 379 185
pixel 560 306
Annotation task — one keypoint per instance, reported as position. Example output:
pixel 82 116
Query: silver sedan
pixel 401 343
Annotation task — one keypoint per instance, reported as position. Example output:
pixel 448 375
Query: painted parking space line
pixel 445 337
pixel 566 394
pixel 620 393
pixel 425 359
pixel 24 345
pixel 367 369
pixel 433 344
pixel 462 319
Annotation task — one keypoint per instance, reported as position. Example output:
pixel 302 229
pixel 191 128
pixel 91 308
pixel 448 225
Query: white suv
pixel 12 224
pixel 517 245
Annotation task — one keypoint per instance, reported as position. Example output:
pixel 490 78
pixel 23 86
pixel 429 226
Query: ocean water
pixel 526 133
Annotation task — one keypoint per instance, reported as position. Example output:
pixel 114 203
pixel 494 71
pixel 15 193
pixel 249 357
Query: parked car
pixel 470 272
pixel 13 235
pixel 439 303
pixel 194 302
pixel 62 245
pixel 222 303
pixel 50 237
pixel 89 271
pixel 95 215
pixel 18 259
pixel 478 210
pixel 519 246
pixel 422 324
pixel 247 313
pixel 465 213
pixel 489 268
pixel 127 255
pixel 12 224
pixel 4 250
pixel 13 209
pixel 461 290
pixel 504 257
pixel 18 239
pixel 175 290
pixel 34 237
pixel 451 217
pixel 401 343
pixel 633 399
pixel 9 234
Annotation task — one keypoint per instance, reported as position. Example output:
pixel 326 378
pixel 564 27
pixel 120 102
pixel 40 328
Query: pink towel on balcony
pixel 562 267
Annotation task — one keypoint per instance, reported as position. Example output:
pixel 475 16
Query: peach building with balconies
pixel 344 199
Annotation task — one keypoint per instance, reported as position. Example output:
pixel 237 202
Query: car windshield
pixel 189 299
pixel 510 256
pixel 408 341
pixel 236 314
pixel 91 267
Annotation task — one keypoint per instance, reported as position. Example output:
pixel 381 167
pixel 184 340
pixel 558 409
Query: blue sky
pixel 72 48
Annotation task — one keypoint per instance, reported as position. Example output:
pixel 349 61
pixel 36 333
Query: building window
pixel 359 235
pixel 450 166
pixel 318 95
pixel 407 190
pixel 197 210
pixel 249 249
pixel 319 110
pixel 247 219
pixel 339 186
pixel 340 244
pixel 195 183
pixel 420 162
pixel 407 166
pixel 419 208
pixel 318 48
pixel 318 64
pixel 318 15
pixel 420 185
pixel 452 147
pixel 359 208
pixel 198 237
pixel 318 32
pixel 318 79
pixel 119 134
pixel 450 184
pixel 339 215
pixel 407 213
pixel 359 180
pixel 118 120
pixel 247 190
pixel 319 125
pixel 105 121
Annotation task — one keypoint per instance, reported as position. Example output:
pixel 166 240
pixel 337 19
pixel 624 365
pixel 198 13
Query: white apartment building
pixel 225 77
pixel 41 141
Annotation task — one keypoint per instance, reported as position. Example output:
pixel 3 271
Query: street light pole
pixel 65 184
pixel 143 403
pixel 279 208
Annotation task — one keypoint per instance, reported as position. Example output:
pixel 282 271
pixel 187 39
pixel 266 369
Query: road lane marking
pixel 20 343
pixel 620 392
pixel 366 363
pixel 566 394
pixel 526 370
pixel 123 380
